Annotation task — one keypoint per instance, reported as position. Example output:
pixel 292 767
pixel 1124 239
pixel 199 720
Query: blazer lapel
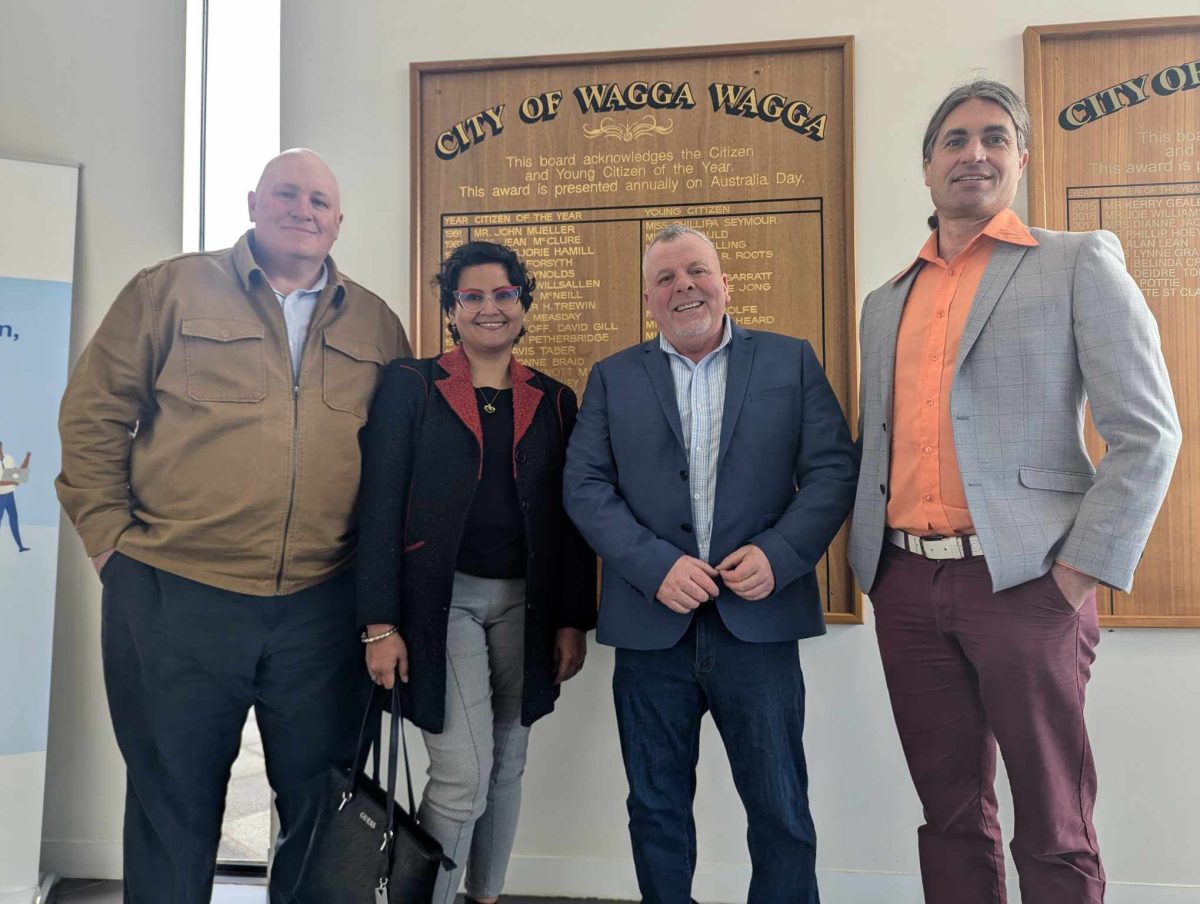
pixel 659 370
pixel 1001 266
pixel 887 332
pixel 526 398
pixel 737 381
pixel 458 391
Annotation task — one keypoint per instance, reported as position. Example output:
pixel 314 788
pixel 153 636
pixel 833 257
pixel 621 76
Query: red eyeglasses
pixel 473 299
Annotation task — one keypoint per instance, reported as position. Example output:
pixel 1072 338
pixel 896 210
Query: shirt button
pixel 928 450
pixel 686 528
pixel 941 313
pixel 929 402
pixel 929 497
pixel 696 496
pixel 933 357
pixel 683 475
pixel 950 270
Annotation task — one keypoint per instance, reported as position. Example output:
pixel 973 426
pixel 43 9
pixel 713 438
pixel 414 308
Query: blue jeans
pixel 8 505
pixel 755 692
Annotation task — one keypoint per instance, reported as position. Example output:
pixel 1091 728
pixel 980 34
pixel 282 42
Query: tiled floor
pixel 90 891
pixel 86 891
pixel 245 837
pixel 246 831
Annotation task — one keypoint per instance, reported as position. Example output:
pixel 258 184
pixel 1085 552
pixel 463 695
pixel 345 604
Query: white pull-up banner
pixel 37 260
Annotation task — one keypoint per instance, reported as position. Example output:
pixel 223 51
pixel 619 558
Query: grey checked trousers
pixel 473 795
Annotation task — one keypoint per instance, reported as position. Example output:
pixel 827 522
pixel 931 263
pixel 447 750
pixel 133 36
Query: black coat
pixel 422 451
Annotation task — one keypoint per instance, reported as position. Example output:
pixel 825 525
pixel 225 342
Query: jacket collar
pixel 737 379
pixel 246 266
pixel 1012 240
pixel 1005 226
pixel 459 392
pixel 891 303
pixel 658 368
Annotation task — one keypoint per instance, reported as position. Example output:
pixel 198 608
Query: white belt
pixel 935 547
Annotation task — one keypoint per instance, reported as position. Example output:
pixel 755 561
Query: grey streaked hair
pixel 980 89
pixel 671 233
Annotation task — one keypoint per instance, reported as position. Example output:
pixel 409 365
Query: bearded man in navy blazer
pixel 710 468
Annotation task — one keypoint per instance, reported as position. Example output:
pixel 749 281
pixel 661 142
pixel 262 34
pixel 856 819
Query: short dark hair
pixel 997 93
pixel 473 254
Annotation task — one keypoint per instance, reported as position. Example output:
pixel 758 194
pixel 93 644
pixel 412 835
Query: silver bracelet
pixel 377 637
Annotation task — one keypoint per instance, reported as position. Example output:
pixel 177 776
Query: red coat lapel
pixel 459 393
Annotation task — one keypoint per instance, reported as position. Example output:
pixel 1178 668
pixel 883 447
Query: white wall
pixel 99 84
pixel 345 92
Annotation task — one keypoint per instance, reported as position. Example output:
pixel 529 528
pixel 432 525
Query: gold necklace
pixel 489 406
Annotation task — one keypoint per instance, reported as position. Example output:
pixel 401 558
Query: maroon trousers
pixel 966 669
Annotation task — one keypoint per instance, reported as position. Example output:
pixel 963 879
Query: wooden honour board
pixel 1116 122
pixel 578 161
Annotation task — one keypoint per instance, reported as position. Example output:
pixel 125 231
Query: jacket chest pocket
pixel 226 360
pixel 350 370
pixel 773 394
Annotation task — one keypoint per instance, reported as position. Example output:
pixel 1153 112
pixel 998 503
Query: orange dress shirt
pixel 927 496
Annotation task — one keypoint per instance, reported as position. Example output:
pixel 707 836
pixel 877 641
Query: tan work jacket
pixel 188 445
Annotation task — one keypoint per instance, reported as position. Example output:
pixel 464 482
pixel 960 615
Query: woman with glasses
pixel 473 585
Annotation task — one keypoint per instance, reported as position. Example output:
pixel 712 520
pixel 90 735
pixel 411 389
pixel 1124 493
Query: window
pixel 232 114
pixel 231 129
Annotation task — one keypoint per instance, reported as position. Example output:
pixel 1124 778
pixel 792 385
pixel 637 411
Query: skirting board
pixel 715 883
pixel 82 859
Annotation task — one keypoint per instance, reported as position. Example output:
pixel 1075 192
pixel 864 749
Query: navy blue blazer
pixel 786 474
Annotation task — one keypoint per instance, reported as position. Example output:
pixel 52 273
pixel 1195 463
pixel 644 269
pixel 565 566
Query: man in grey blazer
pixel 980 526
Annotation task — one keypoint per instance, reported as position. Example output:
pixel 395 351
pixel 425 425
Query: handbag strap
pixel 366 741
pixel 376 747
pixel 399 740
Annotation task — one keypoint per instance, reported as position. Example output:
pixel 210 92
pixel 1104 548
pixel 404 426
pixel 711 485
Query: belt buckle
pixel 942 548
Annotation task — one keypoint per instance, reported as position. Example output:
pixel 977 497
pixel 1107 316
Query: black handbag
pixel 365 848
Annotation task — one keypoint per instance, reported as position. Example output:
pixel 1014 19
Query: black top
pixel 493 543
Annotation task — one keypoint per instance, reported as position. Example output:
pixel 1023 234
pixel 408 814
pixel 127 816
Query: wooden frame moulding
pixel 445 93
pixel 1097 150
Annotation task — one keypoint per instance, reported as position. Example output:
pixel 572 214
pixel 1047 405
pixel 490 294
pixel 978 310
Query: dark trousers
pixel 755 692
pixel 183 663
pixel 966 669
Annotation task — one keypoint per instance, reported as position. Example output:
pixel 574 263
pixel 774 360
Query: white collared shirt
pixel 700 395
pixel 298 307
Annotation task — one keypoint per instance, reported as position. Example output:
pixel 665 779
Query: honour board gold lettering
pixel 576 163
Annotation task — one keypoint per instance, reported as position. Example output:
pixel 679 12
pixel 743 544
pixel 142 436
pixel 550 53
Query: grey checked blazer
pixel 1049 326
